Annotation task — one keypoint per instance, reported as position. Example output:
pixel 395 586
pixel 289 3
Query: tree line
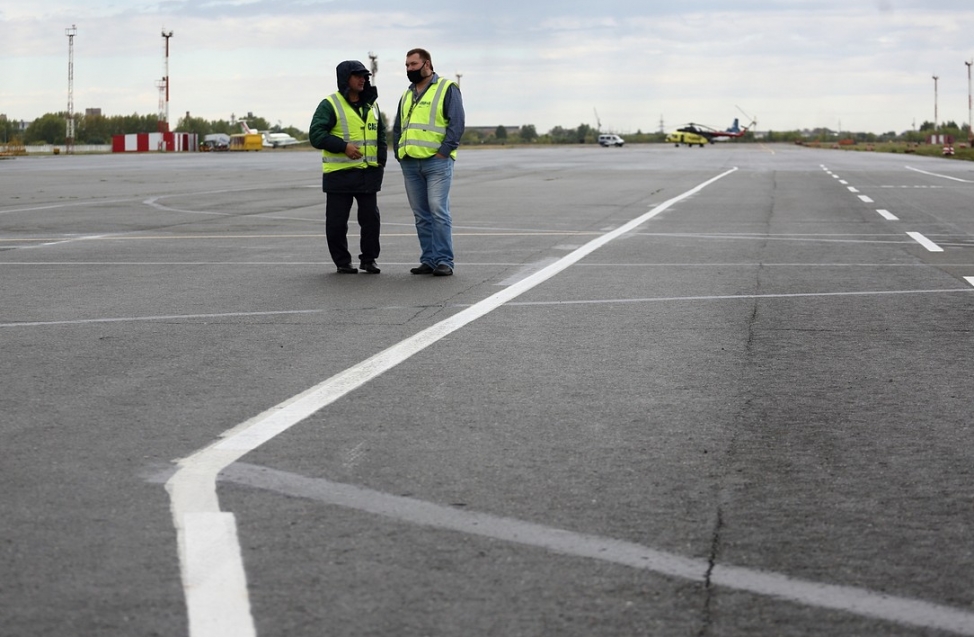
pixel 51 128
pixel 99 129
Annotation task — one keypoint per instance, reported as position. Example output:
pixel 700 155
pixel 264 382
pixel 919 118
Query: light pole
pixel 970 120
pixel 936 126
pixel 374 65
pixel 164 87
pixel 69 126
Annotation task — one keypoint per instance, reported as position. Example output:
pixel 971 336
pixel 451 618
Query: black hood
pixel 347 68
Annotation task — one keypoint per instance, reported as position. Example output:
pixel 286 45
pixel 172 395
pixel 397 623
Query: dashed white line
pixel 853 189
pixel 866 199
pixel 926 243
pixel 886 214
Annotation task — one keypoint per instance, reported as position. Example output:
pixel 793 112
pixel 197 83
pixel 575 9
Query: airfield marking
pixel 789 237
pixel 767 238
pixel 853 189
pixel 866 199
pixel 738 297
pixel 926 243
pixel 938 175
pixel 222 609
pixel 72 204
pixel 886 214
pixel 527 271
pixel 651 299
pixel 180 237
pixel 850 599
pixel 191 317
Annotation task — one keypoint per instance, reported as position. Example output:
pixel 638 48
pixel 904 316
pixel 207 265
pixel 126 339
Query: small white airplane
pixel 271 140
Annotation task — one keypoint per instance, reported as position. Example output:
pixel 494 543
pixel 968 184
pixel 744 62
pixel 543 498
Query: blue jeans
pixel 428 189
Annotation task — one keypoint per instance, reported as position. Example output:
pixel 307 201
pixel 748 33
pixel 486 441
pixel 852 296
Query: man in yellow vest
pixel 349 130
pixel 426 134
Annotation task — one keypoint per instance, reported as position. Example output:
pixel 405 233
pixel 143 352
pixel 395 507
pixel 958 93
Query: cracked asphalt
pixel 768 384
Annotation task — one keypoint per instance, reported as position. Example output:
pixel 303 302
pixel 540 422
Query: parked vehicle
pixel 607 140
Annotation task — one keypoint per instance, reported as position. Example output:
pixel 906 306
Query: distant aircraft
pixel 700 134
pixel 271 140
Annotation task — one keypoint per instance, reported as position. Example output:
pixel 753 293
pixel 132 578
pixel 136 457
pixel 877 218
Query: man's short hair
pixel 423 55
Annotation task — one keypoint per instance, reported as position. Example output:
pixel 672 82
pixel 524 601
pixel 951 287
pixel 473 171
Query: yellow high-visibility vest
pixel 423 123
pixel 350 127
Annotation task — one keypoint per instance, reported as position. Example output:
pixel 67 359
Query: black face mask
pixel 415 76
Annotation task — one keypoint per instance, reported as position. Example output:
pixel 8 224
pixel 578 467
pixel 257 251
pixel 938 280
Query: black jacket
pixel 368 179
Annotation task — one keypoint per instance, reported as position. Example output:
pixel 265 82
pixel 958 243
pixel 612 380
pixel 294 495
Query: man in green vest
pixel 348 129
pixel 426 134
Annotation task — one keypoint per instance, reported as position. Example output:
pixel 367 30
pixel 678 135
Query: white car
pixel 611 140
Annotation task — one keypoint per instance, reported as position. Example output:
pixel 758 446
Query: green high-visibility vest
pixel 422 123
pixel 350 127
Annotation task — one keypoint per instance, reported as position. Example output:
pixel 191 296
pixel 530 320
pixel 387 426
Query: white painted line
pixel 737 297
pixel 527 271
pixel 208 545
pixel 926 243
pixel 72 204
pixel 173 317
pixel 865 199
pixel 193 487
pixel 847 598
pixel 853 189
pixel 843 182
pixel 185 317
pixel 941 176
pixel 969 279
pixel 834 176
pixel 858 601
pixel 886 214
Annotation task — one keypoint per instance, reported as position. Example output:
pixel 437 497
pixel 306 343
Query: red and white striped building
pixel 155 142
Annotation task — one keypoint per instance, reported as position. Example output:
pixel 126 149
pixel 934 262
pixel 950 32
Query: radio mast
pixel 164 88
pixel 69 130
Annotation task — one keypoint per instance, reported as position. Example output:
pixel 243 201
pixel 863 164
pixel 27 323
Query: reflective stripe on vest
pixel 423 123
pixel 364 135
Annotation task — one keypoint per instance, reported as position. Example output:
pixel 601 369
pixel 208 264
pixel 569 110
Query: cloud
pixel 797 63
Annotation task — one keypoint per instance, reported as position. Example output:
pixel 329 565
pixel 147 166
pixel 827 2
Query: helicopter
pixel 700 134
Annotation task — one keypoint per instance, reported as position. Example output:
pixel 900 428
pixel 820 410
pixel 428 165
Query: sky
pixel 628 66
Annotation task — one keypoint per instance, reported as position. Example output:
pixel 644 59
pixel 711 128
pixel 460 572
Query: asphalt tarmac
pixel 707 392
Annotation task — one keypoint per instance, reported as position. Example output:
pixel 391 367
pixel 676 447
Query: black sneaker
pixel 422 269
pixel 443 270
pixel 370 267
pixel 347 269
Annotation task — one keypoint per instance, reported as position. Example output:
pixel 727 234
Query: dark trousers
pixel 338 205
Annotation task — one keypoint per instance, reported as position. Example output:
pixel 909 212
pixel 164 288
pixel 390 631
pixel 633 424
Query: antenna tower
pixel 164 87
pixel 69 130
